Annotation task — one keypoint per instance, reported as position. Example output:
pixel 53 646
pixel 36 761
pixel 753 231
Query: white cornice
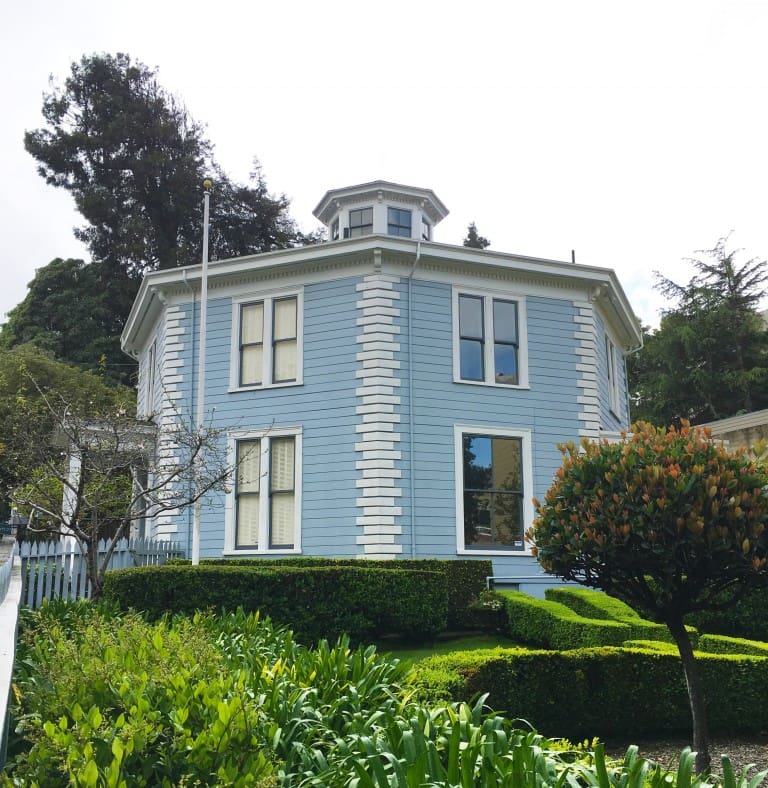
pixel 361 252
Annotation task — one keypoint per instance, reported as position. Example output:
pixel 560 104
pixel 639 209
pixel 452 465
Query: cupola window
pixel 360 222
pixel 398 222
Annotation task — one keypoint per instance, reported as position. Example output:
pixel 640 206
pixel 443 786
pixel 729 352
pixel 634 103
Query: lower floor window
pixel 493 490
pixel 266 505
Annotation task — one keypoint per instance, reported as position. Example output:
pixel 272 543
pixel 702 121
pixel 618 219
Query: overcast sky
pixel 633 132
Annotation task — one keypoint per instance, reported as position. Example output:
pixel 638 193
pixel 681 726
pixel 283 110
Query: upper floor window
pixel 426 229
pixel 268 349
pixel 398 222
pixel 335 229
pixel 265 508
pixel 360 222
pixel 489 336
pixel 612 377
pixel 493 478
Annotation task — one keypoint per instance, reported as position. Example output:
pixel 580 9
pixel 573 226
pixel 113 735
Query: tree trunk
pixel 695 693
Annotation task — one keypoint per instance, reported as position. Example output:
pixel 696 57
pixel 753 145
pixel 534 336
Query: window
pixel 149 405
pixel 268 342
pixel 335 229
pixel 492 483
pixel 360 222
pixel 489 340
pixel 398 222
pixel 426 230
pixel 613 381
pixel 266 498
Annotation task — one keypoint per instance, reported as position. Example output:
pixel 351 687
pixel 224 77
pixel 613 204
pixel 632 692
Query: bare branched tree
pixel 94 476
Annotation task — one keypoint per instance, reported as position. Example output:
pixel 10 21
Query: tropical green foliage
pixel 709 357
pixel 666 520
pixel 317 602
pixel 107 699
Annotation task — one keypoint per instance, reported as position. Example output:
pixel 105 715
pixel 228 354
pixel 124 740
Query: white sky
pixel 632 132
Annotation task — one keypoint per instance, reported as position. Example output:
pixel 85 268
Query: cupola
pixel 380 208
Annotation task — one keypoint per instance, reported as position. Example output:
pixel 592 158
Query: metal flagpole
pixel 201 362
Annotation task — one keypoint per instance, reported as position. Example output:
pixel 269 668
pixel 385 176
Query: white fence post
pixel 10 596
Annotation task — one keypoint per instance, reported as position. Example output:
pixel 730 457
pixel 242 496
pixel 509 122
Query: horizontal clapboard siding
pixel 548 409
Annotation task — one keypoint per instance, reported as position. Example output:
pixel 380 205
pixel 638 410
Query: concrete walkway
pixel 6 545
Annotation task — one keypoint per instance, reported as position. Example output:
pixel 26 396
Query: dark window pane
pixel 477 462
pixel 505 321
pixel 471 316
pixel 477 519
pixel 508 520
pixel 471 359
pixel 505 363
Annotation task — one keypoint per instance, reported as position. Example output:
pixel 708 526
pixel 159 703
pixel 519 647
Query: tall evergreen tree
pixel 709 358
pixel 473 240
pixel 134 161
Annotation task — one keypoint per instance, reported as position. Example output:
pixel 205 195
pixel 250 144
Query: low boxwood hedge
pixel 722 644
pixel 540 622
pixel 606 692
pixel 465 578
pixel 747 618
pixel 316 602
pixel 598 605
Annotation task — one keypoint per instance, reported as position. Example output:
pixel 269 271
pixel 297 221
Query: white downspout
pixel 412 409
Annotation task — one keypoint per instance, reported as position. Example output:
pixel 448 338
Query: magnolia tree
pixel 93 476
pixel 667 520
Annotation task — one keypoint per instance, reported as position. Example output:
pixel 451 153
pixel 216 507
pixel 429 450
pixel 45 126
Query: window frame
pixel 525 436
pixel 149 394
pixel 489 338
pixel 426 235
pixel 397 226
pixel 612 376
pixel 364 229
pixel 265 436
pixel 268 298
pixel 335 229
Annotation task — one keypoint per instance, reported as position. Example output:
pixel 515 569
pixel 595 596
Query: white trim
pixel 488 294
pixel 459 430
pixel 264 435
pixel 268 296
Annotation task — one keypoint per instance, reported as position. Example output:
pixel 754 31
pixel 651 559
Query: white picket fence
pixel 57 570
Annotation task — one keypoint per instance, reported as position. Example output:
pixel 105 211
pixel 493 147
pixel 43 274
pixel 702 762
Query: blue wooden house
pixel 386 395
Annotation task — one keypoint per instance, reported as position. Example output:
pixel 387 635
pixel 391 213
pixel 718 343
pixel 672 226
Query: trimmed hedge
pixel 606 692
pixel 540 622
pixel 746 619
pixel 597 605
pixel 465 578
pixel 316 602
pixel 722 644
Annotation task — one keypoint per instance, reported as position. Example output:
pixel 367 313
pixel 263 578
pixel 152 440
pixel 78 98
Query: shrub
pixel 722 644
pixel 316 602
pixel 608 692
pixel 746 619
pixel 597 605
pixel 465 579
pixel 539 622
